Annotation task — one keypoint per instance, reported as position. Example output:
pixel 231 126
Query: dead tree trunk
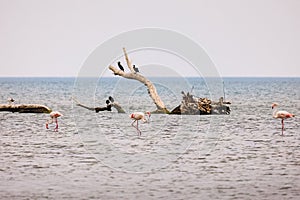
pixel 161 108
pixel 25 108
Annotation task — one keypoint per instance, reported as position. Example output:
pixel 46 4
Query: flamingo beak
pixel 274 105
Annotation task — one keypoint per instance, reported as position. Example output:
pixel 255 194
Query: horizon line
pixel 151 77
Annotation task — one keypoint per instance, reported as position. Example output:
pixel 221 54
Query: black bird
pixel 120 66
pixel 10 100
pixel 111 99
pixel 108 104
pixel 108 107
pixel 135 69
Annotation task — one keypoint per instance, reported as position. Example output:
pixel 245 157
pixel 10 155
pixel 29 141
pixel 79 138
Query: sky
pixel 242 37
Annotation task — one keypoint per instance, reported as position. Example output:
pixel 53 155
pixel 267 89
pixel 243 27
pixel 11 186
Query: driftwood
pixel 161 108
pixel 118 107
pixel 25 108
pixel 109 104
pixel 191 105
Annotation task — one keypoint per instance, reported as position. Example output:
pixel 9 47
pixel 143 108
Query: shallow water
pixel 100 156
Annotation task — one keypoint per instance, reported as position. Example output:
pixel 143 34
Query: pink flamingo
pixel 281 114
pixel 139 116
pixel 53 116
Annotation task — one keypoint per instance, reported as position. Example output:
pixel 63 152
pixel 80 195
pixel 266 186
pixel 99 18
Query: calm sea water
pixel 100 156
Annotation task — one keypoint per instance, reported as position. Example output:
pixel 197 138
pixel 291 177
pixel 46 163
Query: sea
pixel 242 155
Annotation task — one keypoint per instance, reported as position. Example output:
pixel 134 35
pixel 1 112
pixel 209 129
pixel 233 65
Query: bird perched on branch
pixel 10 100
pixel 136 116
pixel 108 105
pixel 111 99
pixel 281 114
pixel 120 66
pixel 135 69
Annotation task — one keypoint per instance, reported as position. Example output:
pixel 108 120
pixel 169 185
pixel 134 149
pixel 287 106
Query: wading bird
pixel 281 114
pixel 53 117
pixel 136 116
pixel 120 66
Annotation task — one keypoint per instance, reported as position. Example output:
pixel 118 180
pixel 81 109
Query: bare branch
pixel 129 65
pixel 151 88
pixel 137 76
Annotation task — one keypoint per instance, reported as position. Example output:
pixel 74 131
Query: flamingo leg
pixel 282 127
pixel 56 127
pixel 133 123
pixel 50 121
pixel 137 127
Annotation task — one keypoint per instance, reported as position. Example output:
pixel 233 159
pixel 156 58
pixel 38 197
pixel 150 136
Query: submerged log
pixel 97 109
pixel 109 104
pixel 117 107
pixel 220 108
pixel 25 108
pixel 161 108
pixel 191 105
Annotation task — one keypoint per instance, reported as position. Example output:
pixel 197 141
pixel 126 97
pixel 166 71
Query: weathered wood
pixel 191 105
pixel 137 76
pixel 98 109
pixel 25 108
pixel 117 107
pixel 129 65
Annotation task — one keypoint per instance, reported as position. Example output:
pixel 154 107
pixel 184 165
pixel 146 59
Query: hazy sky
pixel 242 37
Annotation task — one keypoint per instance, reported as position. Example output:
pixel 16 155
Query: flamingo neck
pixel 275 111
pixel 148 117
